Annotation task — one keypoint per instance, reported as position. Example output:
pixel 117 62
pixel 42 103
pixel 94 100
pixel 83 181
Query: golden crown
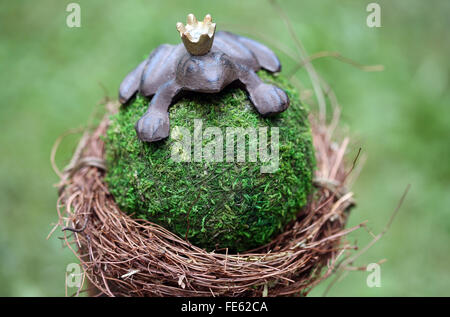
pixel 197 36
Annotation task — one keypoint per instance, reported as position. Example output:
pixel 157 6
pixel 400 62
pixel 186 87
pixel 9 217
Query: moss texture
pixel 216 204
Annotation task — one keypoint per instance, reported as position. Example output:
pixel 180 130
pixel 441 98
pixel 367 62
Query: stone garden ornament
pixel 206 62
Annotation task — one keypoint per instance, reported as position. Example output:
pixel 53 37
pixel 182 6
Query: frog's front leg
pixel 154 124
pixel 267 99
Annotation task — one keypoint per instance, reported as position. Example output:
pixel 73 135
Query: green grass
pixel 53 76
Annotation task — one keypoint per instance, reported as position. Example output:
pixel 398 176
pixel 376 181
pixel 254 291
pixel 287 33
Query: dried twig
pixel 112 244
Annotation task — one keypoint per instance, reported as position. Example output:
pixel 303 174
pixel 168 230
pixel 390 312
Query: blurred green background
pixel 52 77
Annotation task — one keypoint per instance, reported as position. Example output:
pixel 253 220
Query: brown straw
pixel 122 256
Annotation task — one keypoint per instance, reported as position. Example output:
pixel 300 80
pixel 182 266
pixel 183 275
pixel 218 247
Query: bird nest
pixel 123 256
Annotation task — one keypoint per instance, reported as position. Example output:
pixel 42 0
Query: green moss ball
pixel 219 204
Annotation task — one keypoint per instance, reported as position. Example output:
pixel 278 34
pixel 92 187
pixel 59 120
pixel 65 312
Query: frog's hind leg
pixel 229 44
pixel 160 68
pixel 246 51
pixel 154 124
pixel 265 56
pixel 151 73
pixel 130 84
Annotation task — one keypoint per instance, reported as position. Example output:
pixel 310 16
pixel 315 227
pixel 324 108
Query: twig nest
pixel 226 178
pixel 123 254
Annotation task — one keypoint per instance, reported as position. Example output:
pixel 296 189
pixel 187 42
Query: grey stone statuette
pixel 204 62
